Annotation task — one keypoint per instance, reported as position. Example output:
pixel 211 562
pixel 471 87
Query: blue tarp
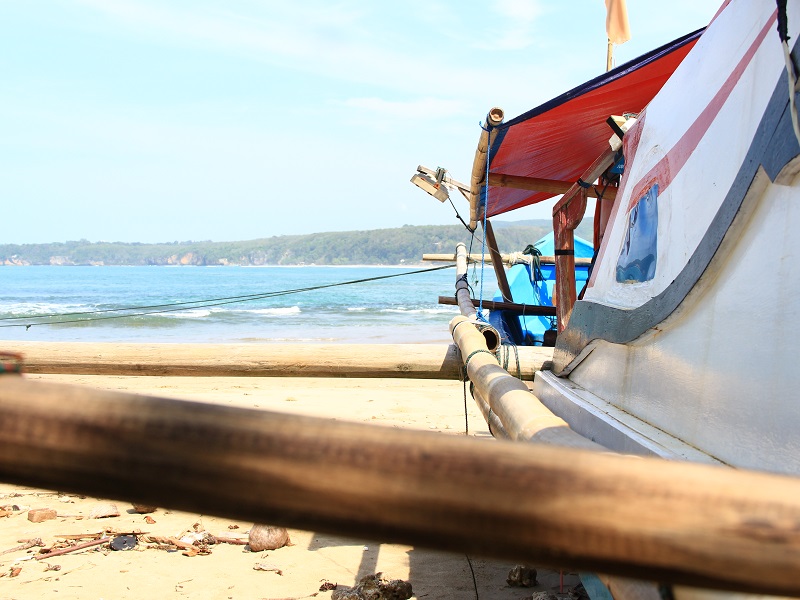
pixel 526 290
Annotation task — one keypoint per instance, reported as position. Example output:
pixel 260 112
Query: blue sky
pixel 159 121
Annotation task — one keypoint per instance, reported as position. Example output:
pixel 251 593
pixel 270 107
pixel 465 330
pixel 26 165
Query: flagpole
pixel 617 28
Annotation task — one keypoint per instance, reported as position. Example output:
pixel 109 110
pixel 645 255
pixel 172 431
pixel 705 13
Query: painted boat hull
pixel 691 353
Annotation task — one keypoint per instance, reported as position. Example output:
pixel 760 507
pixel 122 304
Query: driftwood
pixel 533 504
pixel 229 540
pixel 24 545
pixel 74 548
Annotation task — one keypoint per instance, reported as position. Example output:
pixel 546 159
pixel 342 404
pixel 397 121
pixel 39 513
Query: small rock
pixel 267 537
pixel 103 511
pixel 521 576
pixel 346 594
pixel 149 520
pixel 37 515
pixel 327 586
pixel 143 509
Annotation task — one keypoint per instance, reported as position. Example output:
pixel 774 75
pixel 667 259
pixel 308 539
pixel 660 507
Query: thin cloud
pixel 519 19
pixel 331 41
pixel 422 108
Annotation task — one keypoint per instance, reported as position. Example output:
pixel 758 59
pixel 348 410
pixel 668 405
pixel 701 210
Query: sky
pixel 176 120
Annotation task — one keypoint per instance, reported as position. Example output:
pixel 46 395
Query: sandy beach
pixel 312 562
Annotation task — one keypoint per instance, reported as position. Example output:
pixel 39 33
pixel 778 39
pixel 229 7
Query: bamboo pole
pixel 523 416
pixel 490 335
pixel 645 518
pixel 478 178
pixel 508 259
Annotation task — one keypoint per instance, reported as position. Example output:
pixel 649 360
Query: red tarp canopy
pixel 560 139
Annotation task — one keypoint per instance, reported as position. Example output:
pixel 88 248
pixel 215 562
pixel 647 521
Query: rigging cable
pixel 189 305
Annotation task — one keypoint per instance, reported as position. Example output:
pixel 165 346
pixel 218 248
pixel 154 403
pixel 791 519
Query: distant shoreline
pixel 391 248
pixel 364 266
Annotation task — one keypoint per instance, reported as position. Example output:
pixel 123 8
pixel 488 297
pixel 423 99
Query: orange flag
pixel 617 26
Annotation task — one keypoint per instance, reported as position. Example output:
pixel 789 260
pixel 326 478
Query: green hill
pixel 402 245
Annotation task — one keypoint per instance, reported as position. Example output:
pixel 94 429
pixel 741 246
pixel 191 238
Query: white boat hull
pixel 703 352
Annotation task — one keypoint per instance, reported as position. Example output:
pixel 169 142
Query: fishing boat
pixel 691 152
pixel 678 346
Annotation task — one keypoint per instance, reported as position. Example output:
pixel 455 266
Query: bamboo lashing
pixel 646 518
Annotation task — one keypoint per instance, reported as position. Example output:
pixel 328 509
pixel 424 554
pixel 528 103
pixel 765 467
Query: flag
pixel 617 26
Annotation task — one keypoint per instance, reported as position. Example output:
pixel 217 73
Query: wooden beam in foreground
pixel 529 310
pixel 411 361
pixel 640 517
pixel 536 184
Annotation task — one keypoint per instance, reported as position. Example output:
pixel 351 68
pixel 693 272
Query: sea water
pixel 229 304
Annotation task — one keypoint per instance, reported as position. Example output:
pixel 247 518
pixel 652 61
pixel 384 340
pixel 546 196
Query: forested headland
pixel 401 245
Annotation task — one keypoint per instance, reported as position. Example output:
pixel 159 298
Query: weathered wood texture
pixel 537 184
pixel 497 261
pixel 416 361
pixel 536 504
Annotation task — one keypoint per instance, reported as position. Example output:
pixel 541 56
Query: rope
pixel 504 355
pixel 458 215
pixel 192 304
pixel 783 33
pixel 474 581
pixel 478 351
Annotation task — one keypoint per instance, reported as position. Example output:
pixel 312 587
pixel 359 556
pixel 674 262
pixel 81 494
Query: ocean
pixel 229 304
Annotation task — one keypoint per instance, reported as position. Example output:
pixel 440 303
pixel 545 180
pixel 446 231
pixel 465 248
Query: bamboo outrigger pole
pixel 537 504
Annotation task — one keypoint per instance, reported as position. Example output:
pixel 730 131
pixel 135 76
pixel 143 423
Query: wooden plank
pixel 514 328
pixel 533 504
pixel 536 184
pixel 597 168
pixel 402 361
pixel 528 310
pixel 497 262
pixel 419 361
